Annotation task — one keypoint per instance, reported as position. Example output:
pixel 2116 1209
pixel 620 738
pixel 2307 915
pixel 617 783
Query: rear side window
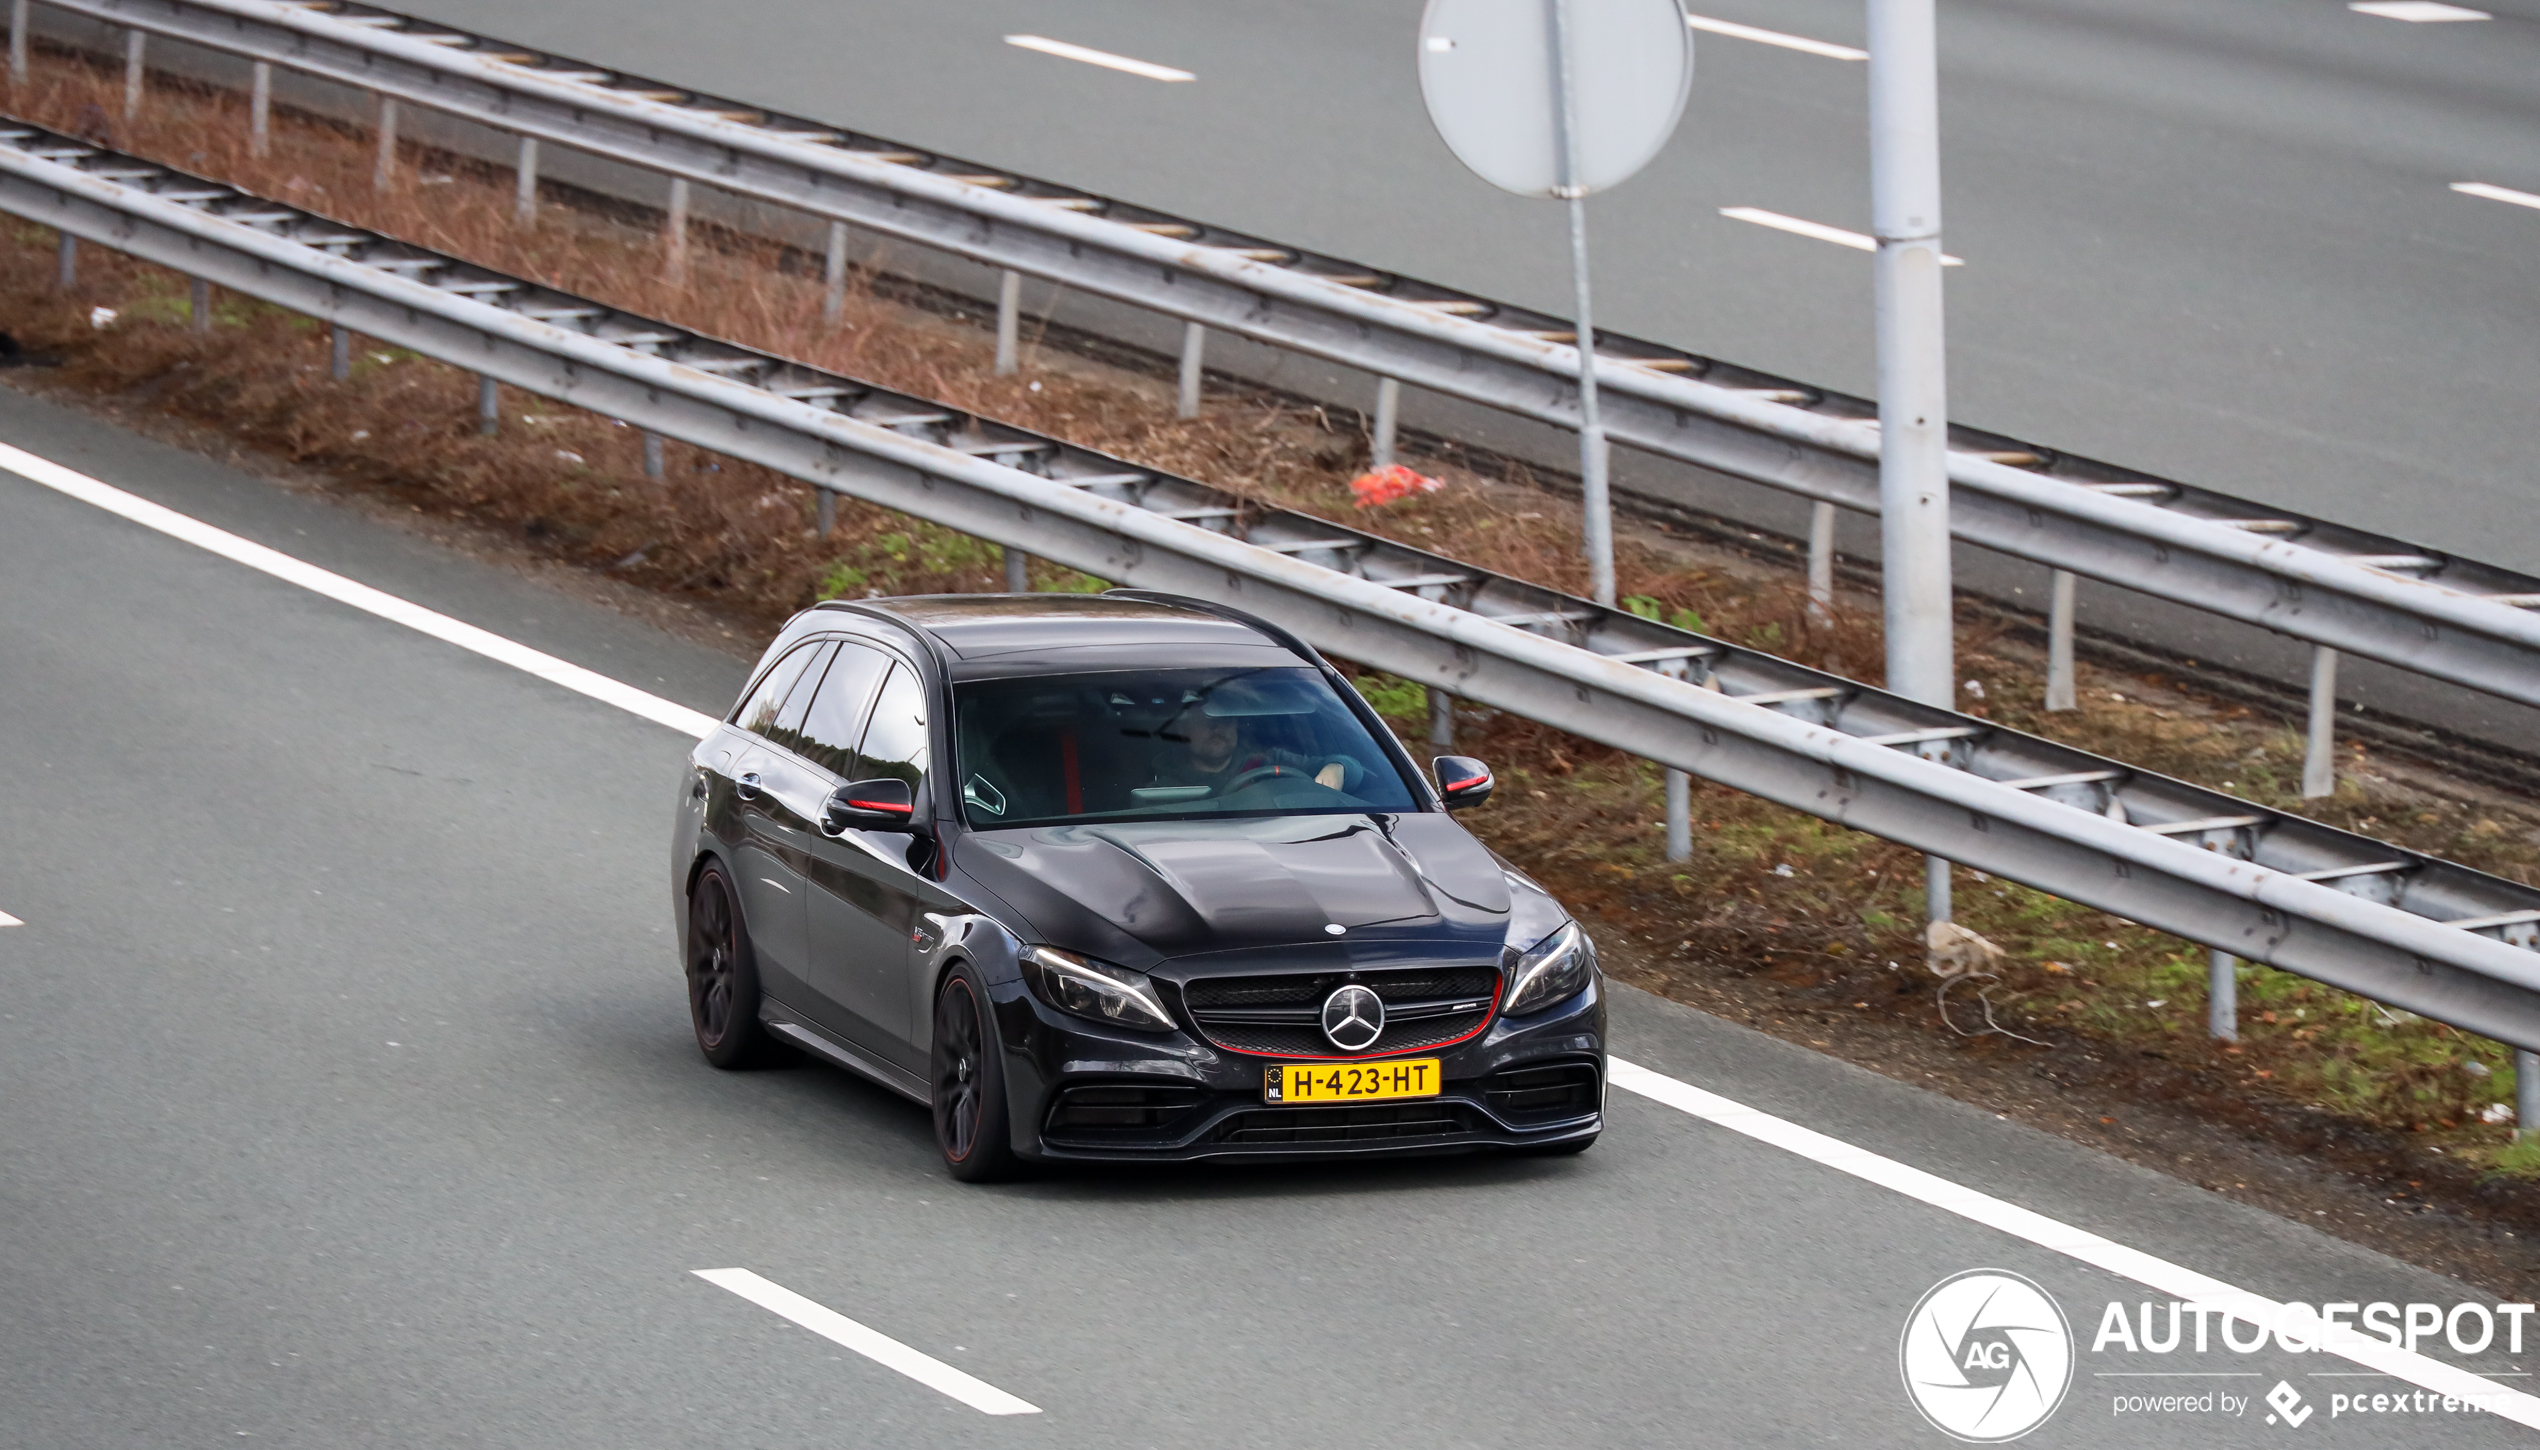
pixel 895 743
pixel 836 714
pixel 758 713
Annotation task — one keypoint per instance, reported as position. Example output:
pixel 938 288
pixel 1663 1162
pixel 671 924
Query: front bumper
pixel 1079 1093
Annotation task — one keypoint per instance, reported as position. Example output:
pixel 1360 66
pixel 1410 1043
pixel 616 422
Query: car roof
pixel 1012 634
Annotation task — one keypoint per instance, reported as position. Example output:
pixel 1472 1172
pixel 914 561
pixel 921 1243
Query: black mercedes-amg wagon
pixel 1125 877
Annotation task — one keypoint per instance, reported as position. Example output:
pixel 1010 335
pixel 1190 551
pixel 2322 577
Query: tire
pixel 723 990
pixel 972 1128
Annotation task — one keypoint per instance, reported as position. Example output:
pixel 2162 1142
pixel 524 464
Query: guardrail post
pixel 340 363
pixel 198 305
pixel 384 171
pixel 2526 1093
pixel 1679 786
pixel 489 406
pixel 653 465
pixel 2319 764
pixel 825 510
pixel 1009 322
pixel 834 274
pixel 674 232
pixel 1388 417
pixel 1441 719
pixel 2061 691
pixel 1821 562
pixel 1679 815
pixel 1018 565
pixel 1194 340
pixel 1936 888
pixel 260 110
pixel 2222 996
pixel 525 185
pixel 17 41
pixel 66 264
pixel 135 42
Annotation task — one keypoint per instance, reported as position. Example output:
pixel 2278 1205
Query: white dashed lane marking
pixel 1819 231
pixel 2420 12
pixel 873 1344
pixel 1108 61
pixel 1774 37
pixel 2496 193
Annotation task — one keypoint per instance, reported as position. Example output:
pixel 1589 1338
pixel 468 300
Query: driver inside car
pixel 1200 749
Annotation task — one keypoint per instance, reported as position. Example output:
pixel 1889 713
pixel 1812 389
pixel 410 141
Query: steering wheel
pixel 1264 772
pixel 1258 772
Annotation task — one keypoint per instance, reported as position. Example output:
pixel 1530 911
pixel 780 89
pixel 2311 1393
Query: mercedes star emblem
pixel 1353 1018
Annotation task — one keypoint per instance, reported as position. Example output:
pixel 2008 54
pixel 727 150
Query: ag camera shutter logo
pixel 1987 1356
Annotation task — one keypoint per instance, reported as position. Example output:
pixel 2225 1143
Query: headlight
pixel 1555 971
pixel 1109 994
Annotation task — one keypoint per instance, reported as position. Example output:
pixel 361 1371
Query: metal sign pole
pixel 1912 362
pixel 1597 519
pixel 1561 100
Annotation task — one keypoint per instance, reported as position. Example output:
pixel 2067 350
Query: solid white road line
pixel 1090 56
pixel 2178 1282
pixel 1819 230
pixel 2496 193
pixel 361 596
pixel 2172 1279
pixel 1775 37
pixel 7 920
pixel 873 1344
pixel 2419 11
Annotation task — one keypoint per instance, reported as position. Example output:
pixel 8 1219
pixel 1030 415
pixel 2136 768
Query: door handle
pixel 747 786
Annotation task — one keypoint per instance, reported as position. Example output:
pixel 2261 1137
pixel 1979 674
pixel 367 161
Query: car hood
pixel 1139 893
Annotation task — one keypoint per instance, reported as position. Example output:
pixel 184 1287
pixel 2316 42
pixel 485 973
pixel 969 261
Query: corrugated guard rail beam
pixel 2408 930
pixel 2382 598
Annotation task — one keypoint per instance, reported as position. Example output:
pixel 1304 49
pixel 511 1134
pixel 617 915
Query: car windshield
pixel 1151 745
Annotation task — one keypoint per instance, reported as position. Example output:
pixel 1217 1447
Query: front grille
pixel 1372 1123
pixel 1104 1111
pixel 1281 1016
pixel 1542 1092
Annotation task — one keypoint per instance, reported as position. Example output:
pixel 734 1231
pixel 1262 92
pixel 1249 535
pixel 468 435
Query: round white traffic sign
pixel 1490 72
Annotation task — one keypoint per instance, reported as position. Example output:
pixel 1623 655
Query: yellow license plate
pixel 1352 1082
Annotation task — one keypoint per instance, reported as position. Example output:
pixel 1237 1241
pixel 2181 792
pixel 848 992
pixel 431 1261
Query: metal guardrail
pixel 2406 929
pixel 2339 588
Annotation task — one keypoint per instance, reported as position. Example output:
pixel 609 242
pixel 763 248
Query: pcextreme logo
pixel 1987 1355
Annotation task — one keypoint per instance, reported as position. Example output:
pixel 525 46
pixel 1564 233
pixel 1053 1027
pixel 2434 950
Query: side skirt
pixel 820 1044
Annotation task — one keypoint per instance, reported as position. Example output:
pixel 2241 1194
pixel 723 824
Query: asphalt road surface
pixel 347 1099
pixel 2214 240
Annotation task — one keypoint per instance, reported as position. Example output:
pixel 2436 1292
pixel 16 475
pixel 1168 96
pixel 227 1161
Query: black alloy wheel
pixel 969 1085
pixel 723 993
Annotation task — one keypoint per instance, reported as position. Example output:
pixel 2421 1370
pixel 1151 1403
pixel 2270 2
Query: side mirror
pixel 1462 781
pixel 886 804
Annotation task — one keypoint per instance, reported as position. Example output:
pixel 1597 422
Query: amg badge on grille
pixel 1353 1018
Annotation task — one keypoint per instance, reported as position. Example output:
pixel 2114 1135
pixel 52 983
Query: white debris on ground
pixel 1954 949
